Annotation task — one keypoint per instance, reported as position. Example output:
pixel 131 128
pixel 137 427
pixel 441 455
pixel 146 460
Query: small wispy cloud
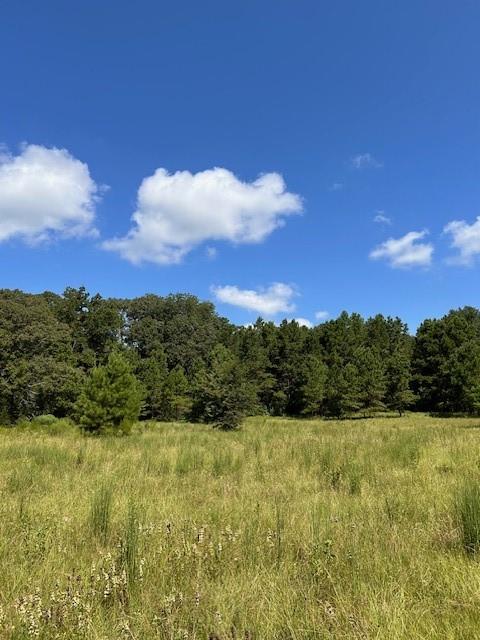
pixel 381 218
pixel 211 253
pixel 465 238
pixel 406 251
pixel 337 186
pixel 321 315
pixel 277 298
pixel 365 161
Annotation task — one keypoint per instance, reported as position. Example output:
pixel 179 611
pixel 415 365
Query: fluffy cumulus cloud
pixel 176 212
pixel 45 193
pixel 365 161
pixel 321 315
pixel 465 238
pixel 406 251
pixel 277 298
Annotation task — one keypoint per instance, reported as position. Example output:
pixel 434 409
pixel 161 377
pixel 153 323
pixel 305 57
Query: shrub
pixel 111 398
pixel 45 420
pixel 47 424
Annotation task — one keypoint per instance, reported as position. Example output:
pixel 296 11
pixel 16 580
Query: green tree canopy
pixel 314 387
pixel 223 394
pixel 38 372
pixel 175 399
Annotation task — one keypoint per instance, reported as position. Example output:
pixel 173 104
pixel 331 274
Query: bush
pixel 111 398
pixel 45 420
pixel 47 424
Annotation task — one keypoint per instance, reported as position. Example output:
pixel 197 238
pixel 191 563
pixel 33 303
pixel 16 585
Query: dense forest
pixel 187 362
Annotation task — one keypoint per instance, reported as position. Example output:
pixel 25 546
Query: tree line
pixel 175 358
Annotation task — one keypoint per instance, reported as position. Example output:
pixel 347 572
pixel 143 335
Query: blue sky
pixel 365 110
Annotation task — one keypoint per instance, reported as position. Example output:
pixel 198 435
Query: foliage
pixel 253 345
pixel 184 327
pixel 446 362
pixel 371 380
pixel 223 394
pixel 111 398
pixel 399 395
pixel 50 343
pixel 313 389
pixel 38 372
pixel 342 395
pixel 152 372
pixel 175 402
pixel 95 324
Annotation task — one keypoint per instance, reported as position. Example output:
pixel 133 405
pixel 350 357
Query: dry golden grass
pixel 286 530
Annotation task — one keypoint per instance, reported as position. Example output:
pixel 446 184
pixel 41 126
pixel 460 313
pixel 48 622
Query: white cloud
pixel 405 251
pixel 211 253
pixel 337 186
pixel 274 299
pixel 465 238
pixel 365 161
pixel 45 193
pixel 321 315
pixel 381 218
pixel 176 212
pixel 303 322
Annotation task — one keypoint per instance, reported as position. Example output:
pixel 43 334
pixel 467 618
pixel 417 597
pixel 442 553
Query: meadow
pixel 284 530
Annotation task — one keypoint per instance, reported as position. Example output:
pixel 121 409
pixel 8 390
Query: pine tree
pixel 253 353
pixel 342 394
pixel 287 359
pixel 399 395
pixel 223 394
pixel 111 398
pixel 371 380
pixel 472 397
pixel 277 403
pixel 152 373
pixel 444 360
pixel 463 368
pixel 175 401
pixel 313 391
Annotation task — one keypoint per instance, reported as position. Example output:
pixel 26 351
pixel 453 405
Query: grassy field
pixel 284 530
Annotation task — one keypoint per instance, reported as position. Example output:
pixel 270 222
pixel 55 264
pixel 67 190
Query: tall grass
pixel 286 530
pixel 468 509
pixel 129 544
pixel 101 510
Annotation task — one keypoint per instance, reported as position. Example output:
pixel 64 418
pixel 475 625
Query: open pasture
pixel 285 530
